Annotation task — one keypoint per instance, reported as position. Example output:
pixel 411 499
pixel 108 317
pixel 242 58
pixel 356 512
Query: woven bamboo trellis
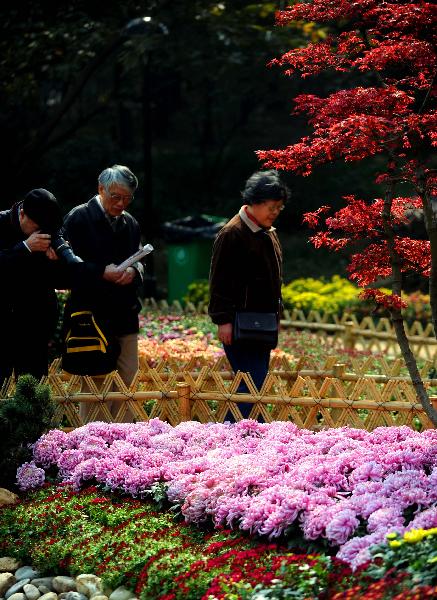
pixel 374 336
pixel 311 397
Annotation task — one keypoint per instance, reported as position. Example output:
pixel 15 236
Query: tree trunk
pixel 396 315
pixel 431 228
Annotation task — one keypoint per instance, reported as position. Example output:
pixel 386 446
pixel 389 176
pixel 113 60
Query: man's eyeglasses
pixel 274 208
pixel 118 197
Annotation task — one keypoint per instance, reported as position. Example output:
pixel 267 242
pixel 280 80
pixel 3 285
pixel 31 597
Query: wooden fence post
pixel 338 370
pixel 184 397
pixel 349 335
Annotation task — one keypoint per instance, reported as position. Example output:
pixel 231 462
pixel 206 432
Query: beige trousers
pixel 127 366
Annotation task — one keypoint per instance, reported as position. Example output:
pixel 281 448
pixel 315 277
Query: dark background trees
pixel 184 98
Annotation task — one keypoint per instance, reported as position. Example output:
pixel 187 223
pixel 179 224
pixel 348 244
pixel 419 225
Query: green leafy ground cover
pixel 148 548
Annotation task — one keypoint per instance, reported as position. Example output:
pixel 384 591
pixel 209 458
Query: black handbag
pixel 87 350
pixel 256 327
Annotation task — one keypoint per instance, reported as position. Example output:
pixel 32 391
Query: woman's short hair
pixel 265 185
pixel 120 175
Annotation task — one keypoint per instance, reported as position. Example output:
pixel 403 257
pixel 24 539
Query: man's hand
pixel 126 277
pixel 38 242
pixel 112 273
pixel 224 333
pixel 51 254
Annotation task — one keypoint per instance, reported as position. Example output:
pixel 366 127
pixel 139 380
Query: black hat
pixel 42 207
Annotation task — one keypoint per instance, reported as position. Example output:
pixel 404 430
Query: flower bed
pixel 135 543
pixel 177 337
pixel 184 337
pixel 344 488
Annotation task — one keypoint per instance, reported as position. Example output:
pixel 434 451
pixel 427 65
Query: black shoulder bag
pixel 256 327
pixel 87 349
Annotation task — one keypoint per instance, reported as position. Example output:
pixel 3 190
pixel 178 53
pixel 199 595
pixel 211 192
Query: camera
pixel 63 249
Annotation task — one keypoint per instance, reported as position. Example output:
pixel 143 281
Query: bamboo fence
pixel 373 393
pixel 311 397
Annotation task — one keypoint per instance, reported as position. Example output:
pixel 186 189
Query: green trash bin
pixel 189 251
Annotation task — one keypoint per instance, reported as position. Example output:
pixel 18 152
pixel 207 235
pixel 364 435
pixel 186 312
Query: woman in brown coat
pixel 246 272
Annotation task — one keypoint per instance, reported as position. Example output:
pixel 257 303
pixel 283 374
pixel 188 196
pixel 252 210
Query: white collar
pixel 111 219
pixel 252 226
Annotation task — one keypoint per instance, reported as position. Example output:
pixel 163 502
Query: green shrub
pixel 331 296
pixel 23 419
pixel 414 553
pixel 198 292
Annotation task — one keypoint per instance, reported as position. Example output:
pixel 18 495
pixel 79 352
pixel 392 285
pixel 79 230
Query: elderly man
pixel 102 233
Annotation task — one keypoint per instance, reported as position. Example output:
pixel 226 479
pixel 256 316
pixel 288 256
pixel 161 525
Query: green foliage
pixel 337 295
pixel 198 292
pixel 297 581
pixel 331 296
pixel 128 541
pixel 158 492
pixel 57 529
pixel 414 553
pixel 23 419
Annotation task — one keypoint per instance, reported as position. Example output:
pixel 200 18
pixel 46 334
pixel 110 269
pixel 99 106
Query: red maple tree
pixel 394 45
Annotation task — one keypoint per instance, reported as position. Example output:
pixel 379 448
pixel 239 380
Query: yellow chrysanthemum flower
pixel 414 535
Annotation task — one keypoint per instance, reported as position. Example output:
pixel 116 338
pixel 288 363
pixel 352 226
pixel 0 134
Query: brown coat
pixel 246 271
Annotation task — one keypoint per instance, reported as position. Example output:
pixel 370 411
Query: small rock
pixel 43 589
pixel 26 573
pixel 17 587
pixel 7 497
pixel 18 596
pixel 8 564
pixel 31 591
pixel 63 583
pixel 72 596
pixel 6 581
pixel 121 593
pixel 89 585
pixel 99 597
pixel 49 596
pixel 45 581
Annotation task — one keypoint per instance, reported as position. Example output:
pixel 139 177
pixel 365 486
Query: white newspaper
pixel 141 253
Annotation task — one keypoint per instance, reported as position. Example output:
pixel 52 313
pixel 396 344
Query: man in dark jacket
pixel 246 272
pixel 29 272
pixel 103 233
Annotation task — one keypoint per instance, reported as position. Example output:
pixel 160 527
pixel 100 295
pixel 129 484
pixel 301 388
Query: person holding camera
pixel 102 232
pixel 29 271
pixel 35 260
